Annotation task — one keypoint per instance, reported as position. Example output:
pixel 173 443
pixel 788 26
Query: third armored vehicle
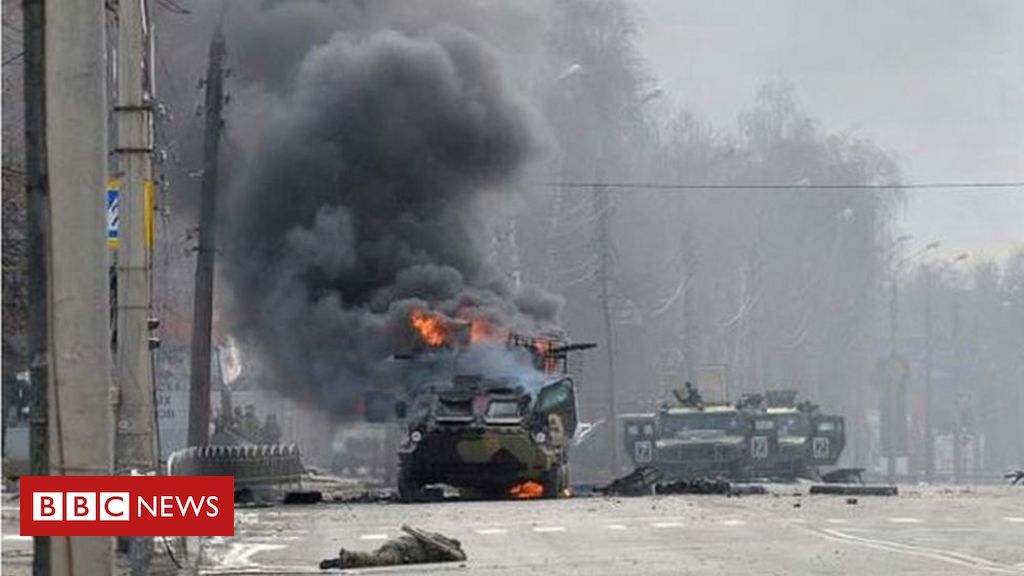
pixel 790 440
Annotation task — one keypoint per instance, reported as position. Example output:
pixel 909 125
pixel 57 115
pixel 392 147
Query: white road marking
pixel 733 522
pixel 549 528
pixel 902 520
pixel 1014 519
pixel 666 524
pixel 239 555
pixel 836 520
pixel 919 551
pixel 616 526
pixel 373 537
pixel 490 531
pixel 16 537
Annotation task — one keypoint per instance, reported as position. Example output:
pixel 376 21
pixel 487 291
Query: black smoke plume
pixel 362 202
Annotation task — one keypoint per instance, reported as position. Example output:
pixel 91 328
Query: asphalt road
pixel 924 531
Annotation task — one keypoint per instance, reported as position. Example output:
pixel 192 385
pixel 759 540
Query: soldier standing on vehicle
pixel 693 397
pixel 416 547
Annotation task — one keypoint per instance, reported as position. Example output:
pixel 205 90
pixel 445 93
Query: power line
pixel 752 186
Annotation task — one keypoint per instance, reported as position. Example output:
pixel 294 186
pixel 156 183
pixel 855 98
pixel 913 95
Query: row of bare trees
pixel 775 288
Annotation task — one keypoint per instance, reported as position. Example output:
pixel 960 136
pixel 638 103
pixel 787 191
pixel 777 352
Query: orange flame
pixel 526 490
pixel 543 347
pixel 430 326
pixel 483 331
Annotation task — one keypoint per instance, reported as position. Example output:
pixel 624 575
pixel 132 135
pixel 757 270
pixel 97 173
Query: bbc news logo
pixel 127 506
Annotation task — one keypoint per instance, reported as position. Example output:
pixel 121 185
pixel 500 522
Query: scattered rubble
pixel 366 497
pixel 1015 477
pixel 639 482
pixel 646 480
pixel 844 476
pixel 304 497
pixel 855 489
pixel 719 486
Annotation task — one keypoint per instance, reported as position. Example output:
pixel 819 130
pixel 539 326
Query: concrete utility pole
pixel 37 237
pixel 136 439
pixel 81 415
pixel 202 319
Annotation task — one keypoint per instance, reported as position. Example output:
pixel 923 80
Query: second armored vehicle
pixel 694 441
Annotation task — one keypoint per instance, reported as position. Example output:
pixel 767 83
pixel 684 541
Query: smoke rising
pixel 362 203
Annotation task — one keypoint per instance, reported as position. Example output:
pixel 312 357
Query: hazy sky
pixel 940 83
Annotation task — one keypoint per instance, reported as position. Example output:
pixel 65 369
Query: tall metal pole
pixel 958 408
pixel 136 415
pixel 929 435
pixel 893 311
pixel 602 203
pixel 199 393
pixel 81 414
pixel 37 248
pixel 890 382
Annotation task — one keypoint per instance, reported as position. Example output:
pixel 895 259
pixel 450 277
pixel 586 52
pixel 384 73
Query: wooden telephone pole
pixel 202 319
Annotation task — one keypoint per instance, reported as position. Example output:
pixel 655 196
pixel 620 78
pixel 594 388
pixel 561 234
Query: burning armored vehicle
pixel 492 419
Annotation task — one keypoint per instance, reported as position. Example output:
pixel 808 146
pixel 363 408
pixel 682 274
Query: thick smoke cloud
pixel 362 203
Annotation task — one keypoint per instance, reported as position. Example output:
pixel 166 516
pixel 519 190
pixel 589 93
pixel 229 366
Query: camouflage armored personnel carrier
pixel 495 419
pixel 490 439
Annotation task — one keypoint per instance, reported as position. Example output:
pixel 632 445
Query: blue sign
pixel 113 216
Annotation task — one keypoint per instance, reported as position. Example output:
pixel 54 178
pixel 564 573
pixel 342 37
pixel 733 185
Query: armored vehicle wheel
pixel 803 470
pixel 555 482
pixel 408 489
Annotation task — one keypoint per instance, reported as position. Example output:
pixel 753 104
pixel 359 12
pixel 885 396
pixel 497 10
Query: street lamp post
pixel 893 327
pixel 929 431
pixel 958 460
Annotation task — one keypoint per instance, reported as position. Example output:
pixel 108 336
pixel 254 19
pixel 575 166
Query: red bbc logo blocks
pixel 127 506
